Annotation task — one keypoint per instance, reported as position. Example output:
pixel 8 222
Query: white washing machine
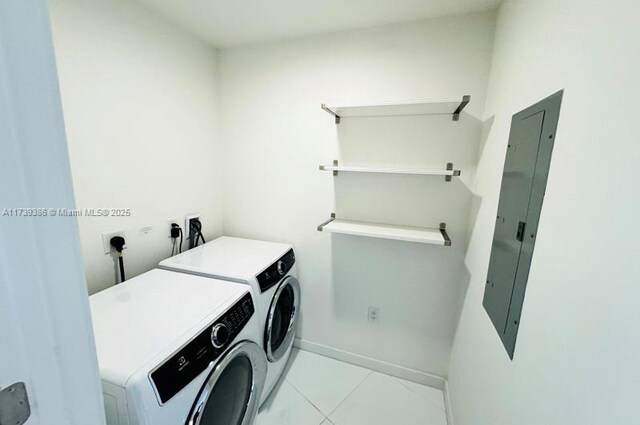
pixel 175 350
pixel 269 268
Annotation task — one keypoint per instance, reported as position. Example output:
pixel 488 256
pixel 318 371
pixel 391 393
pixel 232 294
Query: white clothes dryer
pixel 174 349
pixel 269 269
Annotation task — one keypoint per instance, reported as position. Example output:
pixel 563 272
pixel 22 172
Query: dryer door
pixel 282 319
pixel 231 394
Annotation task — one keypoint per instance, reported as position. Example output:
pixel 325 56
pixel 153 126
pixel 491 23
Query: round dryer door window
pixel 282 318
pixel 232 392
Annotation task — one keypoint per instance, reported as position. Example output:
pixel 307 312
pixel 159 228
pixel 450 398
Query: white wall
pixel 139 99
pixel 576 358
pixel 275 136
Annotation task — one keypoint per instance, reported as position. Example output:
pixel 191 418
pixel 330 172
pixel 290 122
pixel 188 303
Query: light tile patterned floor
pixel 317 390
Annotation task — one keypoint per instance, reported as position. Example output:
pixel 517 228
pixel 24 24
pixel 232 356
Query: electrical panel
pixel 524 181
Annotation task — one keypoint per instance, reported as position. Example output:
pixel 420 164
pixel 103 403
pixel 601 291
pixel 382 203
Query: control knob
pixel 219 335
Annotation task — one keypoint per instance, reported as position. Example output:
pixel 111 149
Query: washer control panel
pixel 276 271
pixel 186 364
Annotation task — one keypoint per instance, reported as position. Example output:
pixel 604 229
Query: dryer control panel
pixel 276 271
pixel 193 358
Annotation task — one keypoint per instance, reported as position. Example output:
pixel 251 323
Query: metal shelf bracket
pixel 333 217
pixel 337 117
pixel 445 235
pixel 450 168
pixel 335 164
pixel 465 100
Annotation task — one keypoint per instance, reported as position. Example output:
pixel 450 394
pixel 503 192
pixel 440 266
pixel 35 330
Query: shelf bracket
pixel 450 168
pixel 443 230
pixel 333 217
pixel 465 100
pixel 337 117
pixel 324 168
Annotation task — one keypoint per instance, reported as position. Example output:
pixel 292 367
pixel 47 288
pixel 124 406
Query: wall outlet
pixel 373 315
pixel 187 219
pixel 187 227
pixel 106 240
pixel 169 222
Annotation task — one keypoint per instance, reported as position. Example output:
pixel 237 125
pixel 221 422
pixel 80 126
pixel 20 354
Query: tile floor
pixel 317 390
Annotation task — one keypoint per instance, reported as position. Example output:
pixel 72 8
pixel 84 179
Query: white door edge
pixel 45 324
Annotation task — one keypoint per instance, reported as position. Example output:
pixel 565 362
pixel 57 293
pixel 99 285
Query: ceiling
pixel 225 23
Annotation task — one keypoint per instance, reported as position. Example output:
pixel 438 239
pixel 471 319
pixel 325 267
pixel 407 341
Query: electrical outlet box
pixel 373 315
pixel 170 221
pixel 187 227
pixel 106 240
pixel 187 222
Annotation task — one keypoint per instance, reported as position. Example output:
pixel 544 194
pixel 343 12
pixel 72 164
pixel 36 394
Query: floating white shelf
pixel 386 231
pixel 448 171
pixel 415 107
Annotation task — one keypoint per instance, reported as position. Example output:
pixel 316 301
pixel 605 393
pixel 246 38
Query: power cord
pixel 195 233
pixel 117 242
pixel 176 231
pixel 198 225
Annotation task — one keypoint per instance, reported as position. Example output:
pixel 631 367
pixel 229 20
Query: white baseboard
pixel 447 404
pixel 373 364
